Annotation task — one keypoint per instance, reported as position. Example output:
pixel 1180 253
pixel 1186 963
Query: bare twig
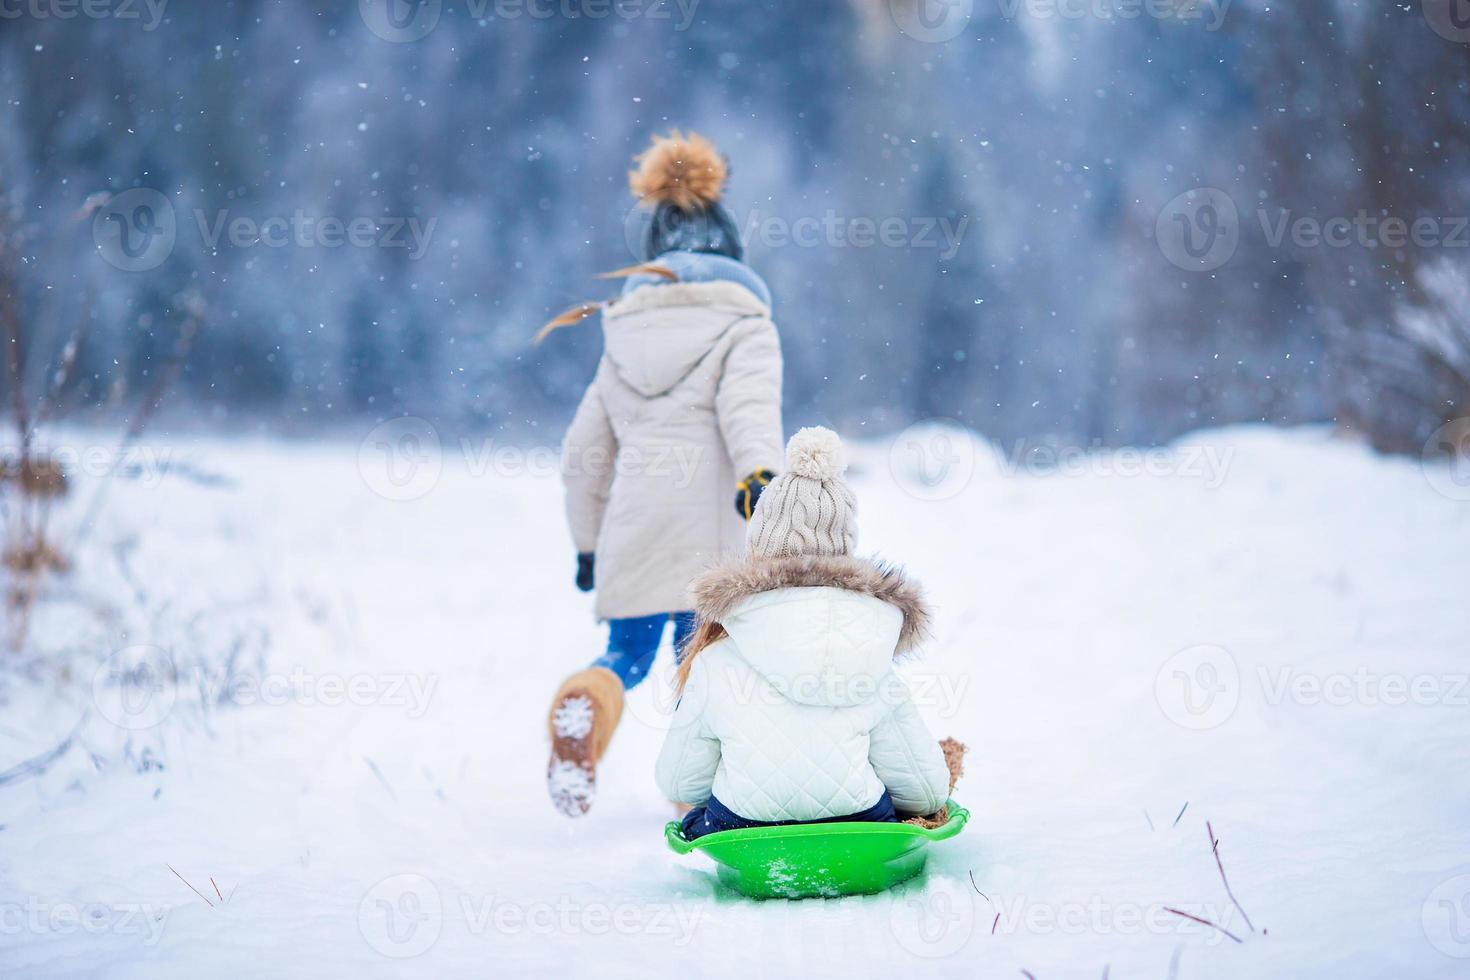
pixel 62 376
pixel 39 764
pixel 20 537
pixel 1180 815
pixel 977 887
pixel 151 401
pixel 1204 922
pixel 27 547
pixel 10 325
pixel 216 888
pixel 169 373
pixel 191 887
pixel 1215 849
pixel 379 773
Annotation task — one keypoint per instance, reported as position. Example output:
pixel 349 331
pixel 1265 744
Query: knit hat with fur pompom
pixel 809 509
pixel 680 178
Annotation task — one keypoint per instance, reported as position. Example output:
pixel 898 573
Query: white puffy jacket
pixel 797 713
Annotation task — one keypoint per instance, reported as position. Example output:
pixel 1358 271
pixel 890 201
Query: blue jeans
pixel 633 643
pixel 713 816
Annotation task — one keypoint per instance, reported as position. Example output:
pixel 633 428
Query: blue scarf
pixel 703 267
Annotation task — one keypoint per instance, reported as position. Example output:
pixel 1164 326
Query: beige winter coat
pixel 686 402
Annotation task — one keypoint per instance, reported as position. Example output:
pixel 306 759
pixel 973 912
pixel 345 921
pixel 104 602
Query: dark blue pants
pixel 633 643
pixel 714 816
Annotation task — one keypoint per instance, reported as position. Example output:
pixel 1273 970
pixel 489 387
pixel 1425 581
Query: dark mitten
pixel 748 491
pixel 584 571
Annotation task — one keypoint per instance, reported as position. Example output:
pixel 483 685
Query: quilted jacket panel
pixel 798 713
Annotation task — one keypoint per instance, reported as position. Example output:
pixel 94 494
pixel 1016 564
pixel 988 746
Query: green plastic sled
pixel 819 860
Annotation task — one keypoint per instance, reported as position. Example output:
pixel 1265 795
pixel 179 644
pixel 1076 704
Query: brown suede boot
pixel 584 715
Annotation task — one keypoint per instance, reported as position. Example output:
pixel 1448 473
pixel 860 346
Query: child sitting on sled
pixel 790 710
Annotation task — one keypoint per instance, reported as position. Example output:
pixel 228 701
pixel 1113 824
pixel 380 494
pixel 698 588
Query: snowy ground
pixel 1269 636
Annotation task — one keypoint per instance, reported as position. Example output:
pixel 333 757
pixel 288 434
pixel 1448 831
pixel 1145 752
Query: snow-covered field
pixel 1266 631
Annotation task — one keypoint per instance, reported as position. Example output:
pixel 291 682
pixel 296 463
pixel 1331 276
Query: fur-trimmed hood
pixel 719 592
pixel 822 631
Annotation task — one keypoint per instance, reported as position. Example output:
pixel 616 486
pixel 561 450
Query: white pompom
pixel 816 453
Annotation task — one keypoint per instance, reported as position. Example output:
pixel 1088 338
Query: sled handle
pixel 674 834
pixel 958 815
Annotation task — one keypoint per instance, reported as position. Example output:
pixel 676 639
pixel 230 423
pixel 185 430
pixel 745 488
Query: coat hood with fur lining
pixel 718 592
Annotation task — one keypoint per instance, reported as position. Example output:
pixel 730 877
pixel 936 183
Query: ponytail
pixel 582 311
pixel 575 314
pixel 708 633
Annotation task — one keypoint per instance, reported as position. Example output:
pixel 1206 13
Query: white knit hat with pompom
pixel 807 510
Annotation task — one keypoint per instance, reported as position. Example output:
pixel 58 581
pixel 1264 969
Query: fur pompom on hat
pixel 817 454
pixel 809 509
pixel 685 171
pixel 681 178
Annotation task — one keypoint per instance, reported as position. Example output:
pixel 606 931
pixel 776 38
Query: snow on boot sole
pixel 571 775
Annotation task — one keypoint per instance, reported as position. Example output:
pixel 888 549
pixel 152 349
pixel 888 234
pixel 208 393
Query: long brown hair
pixel 580 312
pixel 708 632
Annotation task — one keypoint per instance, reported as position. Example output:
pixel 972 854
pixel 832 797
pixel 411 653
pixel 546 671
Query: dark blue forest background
pixel 1056 142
